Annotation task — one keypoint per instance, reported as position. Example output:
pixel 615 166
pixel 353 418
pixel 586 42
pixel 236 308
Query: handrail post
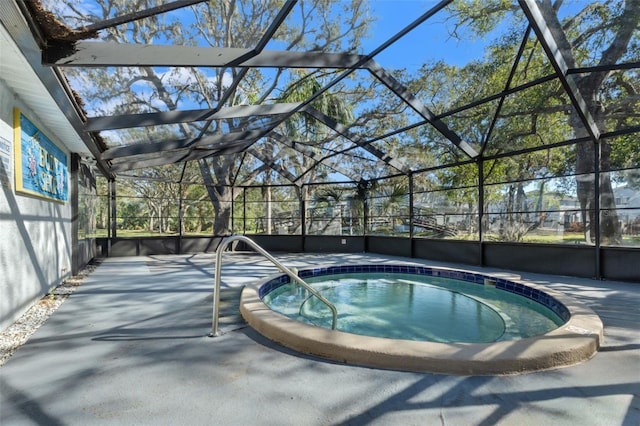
pixel 216 288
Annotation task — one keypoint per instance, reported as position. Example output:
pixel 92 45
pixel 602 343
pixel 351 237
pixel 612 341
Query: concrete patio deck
pixel 130 346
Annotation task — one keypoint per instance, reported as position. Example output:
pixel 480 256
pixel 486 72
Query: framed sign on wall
pixel 40 165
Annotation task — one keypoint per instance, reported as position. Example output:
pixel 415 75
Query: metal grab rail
pixel 216 289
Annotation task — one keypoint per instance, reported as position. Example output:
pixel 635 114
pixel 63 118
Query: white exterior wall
pixel 35 234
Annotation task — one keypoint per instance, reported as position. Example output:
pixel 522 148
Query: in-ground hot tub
pixel 486 336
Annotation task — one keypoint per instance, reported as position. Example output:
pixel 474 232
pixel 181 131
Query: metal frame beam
pixel 168 158
pixel 559 63
pixel 97 124
pixel 110 54
pixel 397 88
pixel 309 153
pixel 344 131
pixel 178 156
pixel 507 85
pixel 130 17
pixel 269 33
pixel 271 163
pixel 212 142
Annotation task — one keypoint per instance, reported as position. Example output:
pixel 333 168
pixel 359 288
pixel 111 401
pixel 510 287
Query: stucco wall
pixel 35 234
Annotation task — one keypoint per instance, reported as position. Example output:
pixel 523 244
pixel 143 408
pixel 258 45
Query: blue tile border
pixel 520 289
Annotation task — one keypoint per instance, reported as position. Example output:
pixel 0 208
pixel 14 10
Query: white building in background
pixel 628 205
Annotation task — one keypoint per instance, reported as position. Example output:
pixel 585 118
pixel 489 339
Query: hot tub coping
pixel 576 341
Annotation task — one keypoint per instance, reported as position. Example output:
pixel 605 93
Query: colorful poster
pixel 40 166
pixel 6 163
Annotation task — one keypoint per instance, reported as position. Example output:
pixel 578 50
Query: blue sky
pixel 430 40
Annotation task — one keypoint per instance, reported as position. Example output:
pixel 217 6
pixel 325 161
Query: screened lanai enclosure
pixel 498 133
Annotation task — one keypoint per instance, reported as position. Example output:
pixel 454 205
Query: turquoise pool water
pixel 414 307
